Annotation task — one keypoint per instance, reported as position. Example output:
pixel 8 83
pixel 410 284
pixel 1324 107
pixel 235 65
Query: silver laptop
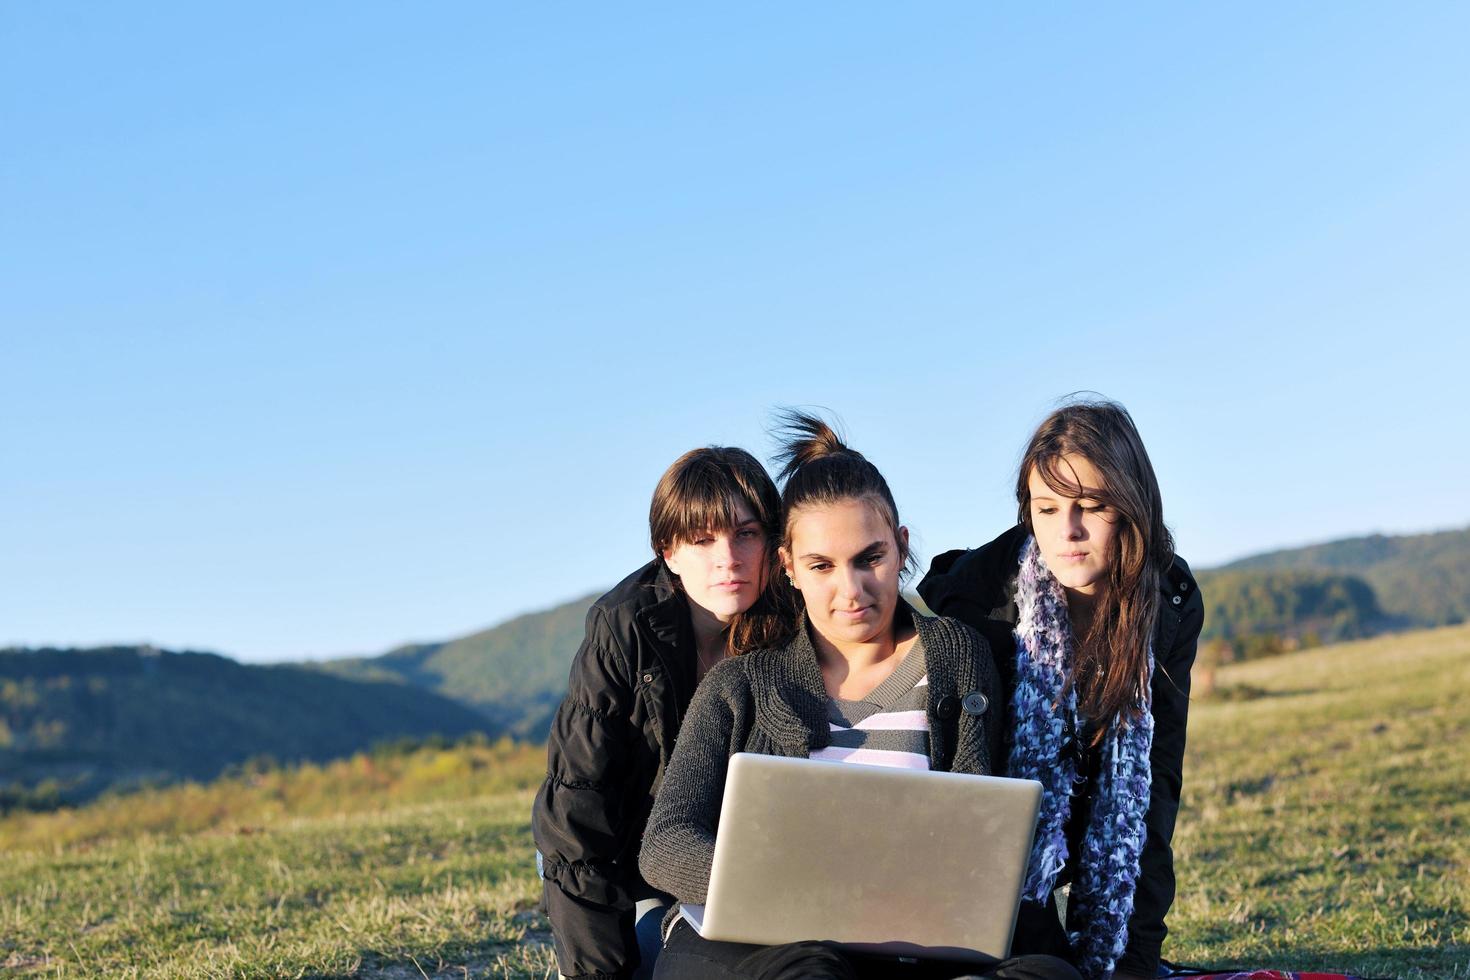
pixel 901 862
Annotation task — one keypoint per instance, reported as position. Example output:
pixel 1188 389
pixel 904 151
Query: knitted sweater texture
pixel 773 702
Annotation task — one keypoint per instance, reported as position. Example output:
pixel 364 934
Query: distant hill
pixel 1424 578
pixel 1337 591
pixel 74 722
pixel 1265 612
pixel 514 673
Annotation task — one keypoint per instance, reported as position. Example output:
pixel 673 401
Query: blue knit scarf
pixel 1101 898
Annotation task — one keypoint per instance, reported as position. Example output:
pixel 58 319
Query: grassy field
pixel 1326 818
pixel 389 865
pixel 1326 825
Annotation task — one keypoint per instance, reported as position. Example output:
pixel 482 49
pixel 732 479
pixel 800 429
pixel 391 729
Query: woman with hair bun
pixel 649 642
pixel 857 649
pixel 1094 621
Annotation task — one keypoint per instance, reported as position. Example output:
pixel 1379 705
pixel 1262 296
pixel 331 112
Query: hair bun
pixel 818 468
pixel 804 438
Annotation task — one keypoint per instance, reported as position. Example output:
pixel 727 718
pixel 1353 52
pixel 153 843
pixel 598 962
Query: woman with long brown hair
pixel 714 529
pixel 1094 621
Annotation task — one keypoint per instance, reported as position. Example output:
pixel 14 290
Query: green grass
pixel 401 871
pixel 1325 825
pixel 1326 820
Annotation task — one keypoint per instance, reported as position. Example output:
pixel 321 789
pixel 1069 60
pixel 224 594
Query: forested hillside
pixel 1340 590
pixel 1263 612
pixel 514 673
pixel 1423 578
pixel 73 722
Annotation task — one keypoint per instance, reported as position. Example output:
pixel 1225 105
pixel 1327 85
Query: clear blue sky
pixel 332 326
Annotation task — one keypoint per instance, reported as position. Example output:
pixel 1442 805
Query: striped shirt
pixel 887 727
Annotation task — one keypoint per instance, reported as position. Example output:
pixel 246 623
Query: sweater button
pixel 648 678
pixel 975 703
pixel 1176 600
pixel 947 707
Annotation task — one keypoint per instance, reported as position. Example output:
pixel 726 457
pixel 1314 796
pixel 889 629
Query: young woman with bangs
pixel 856 650
pixel 1094 621
pixel 649 642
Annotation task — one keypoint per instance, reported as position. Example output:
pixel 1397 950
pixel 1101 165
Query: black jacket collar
pixel 978 579
pixel 971 584
pixel 664 618
pixel 665 623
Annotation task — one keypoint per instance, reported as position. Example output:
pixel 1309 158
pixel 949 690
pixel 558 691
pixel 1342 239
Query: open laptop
pixel 894 861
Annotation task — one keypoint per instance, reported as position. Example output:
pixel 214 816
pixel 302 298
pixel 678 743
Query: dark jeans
pixel 687 956
pixel 648 915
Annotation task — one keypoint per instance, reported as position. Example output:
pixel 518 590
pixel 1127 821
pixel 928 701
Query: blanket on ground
pixel 1264 975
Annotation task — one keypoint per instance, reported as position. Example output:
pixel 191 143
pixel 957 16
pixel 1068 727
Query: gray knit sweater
pixel 774 702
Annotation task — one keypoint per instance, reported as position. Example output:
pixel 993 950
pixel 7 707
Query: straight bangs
pixel 704 490
pixel 693 518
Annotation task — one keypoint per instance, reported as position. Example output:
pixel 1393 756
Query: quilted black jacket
pixel 630 684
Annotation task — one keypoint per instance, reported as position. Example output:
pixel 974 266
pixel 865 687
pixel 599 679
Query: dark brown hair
pixel 817 469
pixel 702 491
pixel 1111 669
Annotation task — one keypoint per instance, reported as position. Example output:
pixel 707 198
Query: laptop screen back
pixel 914 863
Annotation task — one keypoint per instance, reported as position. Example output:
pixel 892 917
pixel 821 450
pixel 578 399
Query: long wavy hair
pixel 702 491
pixel 1111 669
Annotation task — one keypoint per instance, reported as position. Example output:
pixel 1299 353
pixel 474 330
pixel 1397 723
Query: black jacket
pixel 774 702
pixel 978 587
pixel 630 685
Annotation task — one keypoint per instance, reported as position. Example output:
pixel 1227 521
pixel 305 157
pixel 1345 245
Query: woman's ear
pixel 669 561
pixel 786 567
pixel 903 542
